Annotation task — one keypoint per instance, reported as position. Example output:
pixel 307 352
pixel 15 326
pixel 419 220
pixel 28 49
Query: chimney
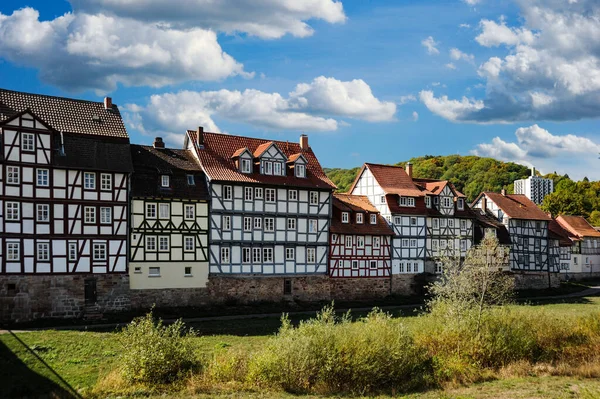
pixel 409 169
pixel 158 143
pixel 484 204
pixel 108 103
pixel 200 134
pixel 304 142
pixel 503 192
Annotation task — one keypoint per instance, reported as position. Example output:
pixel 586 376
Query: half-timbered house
pixel 560 243
pixel 585 247
pixel 64 177
pixel 270 207
pixel 360 239
pixel 169 220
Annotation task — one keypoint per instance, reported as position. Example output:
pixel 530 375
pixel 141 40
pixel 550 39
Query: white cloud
pixel 538 147
pixel 472 2
pixel 450 65
pixel 430 45
pixel 310 107
pixel 81 51
pixel 406 99
pixel 458 55
pixel 446 108
pixel 465 26
pixel 415 116
pixel 491 68
pixel 495 34
pixel 264 18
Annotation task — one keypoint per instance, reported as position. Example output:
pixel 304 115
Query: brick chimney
pixel 304 142
pixel 200 135
pixel 158 143
pixel 409 169
pixel 503 192
pixel 108 103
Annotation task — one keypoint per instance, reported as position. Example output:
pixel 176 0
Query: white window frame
pixel 348 243
pixel 150 243
pixel 290 253
pixel 447 202
pixel 300 170
pixel 267 255
pixel 248 191
pixel 189 211
pixel 314 198
pixel 151 210
pixel 267 167
pixel 413 242
pixel 436 223
pixel 293 195
pixel 428 201
pixel 27 141
pixel 354 265
pixel 189 240
pixel 225 252
pixel 89 214
pixel 247 223
pixel 463 225
pixel 277 169
pixel 270 195
pixel 450 222
pixel 42 178
pixel 105 181
pixel 227 192
pixel 13 251
pixel 165 181
pixel 311 255
pixel 164 243
pixel 104 212
pixel 345 217
pixel 246 166
pixel 460 203
pixel 42 213
pixel 359 218
pixel 42 251
pixel 154 271
pixel 256 255
pixel 407 201
pixel 313 226
pixel 99 251
pixel 226 223
pixel 164 210
pixel 269 224
pixel 72 248
pixel 258 193
pixel 13 175
pixel 382 199
pixel 360 242
pixel 434 245
pixel 373 264
pixel 291 224
pixel 89 180
pixel 463 245
pixel 376 242
pixel 258 223
pixel 246 255
pixel 373 217
pixel 187 273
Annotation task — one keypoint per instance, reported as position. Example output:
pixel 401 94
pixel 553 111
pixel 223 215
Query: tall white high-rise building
pixel 534 187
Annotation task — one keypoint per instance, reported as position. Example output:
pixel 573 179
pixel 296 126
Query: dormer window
pixel 359 218
pixel 428 202
pixel 407 201
pixel 268 167
pixel 246 166
pixel 373 218
pixel 277 169
pixel 165 181
pixel 345 217
pixel 447 202
pixel 190 180
pixel 300 170
pixel 460 203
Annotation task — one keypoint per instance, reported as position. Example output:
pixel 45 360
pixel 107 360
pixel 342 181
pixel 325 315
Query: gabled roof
pixel 64 114
pixel 437 186
pixel 262 148
pixel 354 204
pixel 392 179
pixel 83 151
pixel 215 158
pixel 295 157
pixel 577 226
pixel 557 232
pixel 239 152
pixel 516 206
pixel 487 220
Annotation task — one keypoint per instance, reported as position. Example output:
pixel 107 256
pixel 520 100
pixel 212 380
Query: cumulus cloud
pixel 449 109
pixel 82 51
pixel 415 116
pixel 267 19
pixel 552 67
pixel 406 99
pixel 465 26
pixel 472 2
pixel 538 147
pixel 430 45
pixel 310 107
pixel 450 65
pixel 458 55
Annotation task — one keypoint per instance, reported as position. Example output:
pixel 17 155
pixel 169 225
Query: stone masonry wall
pixel 352 289
pixel 536 281
pixel 579 276
pixel 166 298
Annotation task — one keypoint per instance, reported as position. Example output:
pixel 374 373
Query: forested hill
pixel 470 174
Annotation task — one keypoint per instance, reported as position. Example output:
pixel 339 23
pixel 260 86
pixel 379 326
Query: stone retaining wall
pixel 579 276
pixel 536 280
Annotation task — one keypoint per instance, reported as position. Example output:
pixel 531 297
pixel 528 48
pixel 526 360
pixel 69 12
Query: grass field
pixel 70 363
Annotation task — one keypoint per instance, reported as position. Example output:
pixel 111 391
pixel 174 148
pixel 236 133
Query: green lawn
pixel 59 361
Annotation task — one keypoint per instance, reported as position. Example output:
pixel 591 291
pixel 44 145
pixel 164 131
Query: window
pixel 434 245
pixel 443 222
pixel 72 251
pixel 436 200
pixel 13 175
pixel 105 215
pixel 99 251
pixel 373 218
pixel 450 222
pixel 268 255
pixel 106 181
pixel 314 198
pixel 447 202
pixel 258 193
pixel 277 169
pixel 43 251
pixel 291 224
pixel 397 220
pixel 312 226
pixel 89 180
pixel 333 237
pixel 413 221
pixel 191 181
pixel 165 181
pixel 248 193
pixel 408 267
pixel 246 255
pixel 413 243
pixel 151 211
pixel 290 254
pixel 407 201
pixel 354 265
pixel 258 223
pixel 42 178
pixel 163 211
pixel 43 212
pixel 360 242
pixel 415 267
pixel 256 255
pixel 345 217
pixel 373 264
pixel 225 255
pixel 188 244
pixel 538 226
pixel 311 255
pixel 270 194
pixel 382 199
pixel 13 250
pixel 359 218
pixel 450 244
pixel 287 287
pixel 246 166
pixel 428 202
pixel 226 222
pixel 300 170
pixel 163 243
pixel 247 223
pixel 575 260
pixel 269 224
pixel 463 225
pixel 90 214
pixel 376 242
pixel 227 192
pixel 293 195
pixel 154 271
pixel 150 243
pixel 268 168
pixel 463 245
pixel 460 203
pixel 438 267
pixel 405 242
pixel 190 211
pixel 187 271
pixel 27 141
pixel 348 241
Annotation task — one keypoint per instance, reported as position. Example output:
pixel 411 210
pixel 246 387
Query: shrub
pixel 154 353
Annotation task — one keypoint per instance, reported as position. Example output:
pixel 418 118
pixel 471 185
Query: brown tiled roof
pixel 436 186
pixel 557 232
pixel 293 157
pixel 261 149
pixel 517 206
pixel 353 204
pixel 239 152
pixel 150 163
pixel 215 158
pixel 64 114
pixel 393 180
pixel 578 226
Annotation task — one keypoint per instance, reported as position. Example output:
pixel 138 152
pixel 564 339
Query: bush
pixel 154 353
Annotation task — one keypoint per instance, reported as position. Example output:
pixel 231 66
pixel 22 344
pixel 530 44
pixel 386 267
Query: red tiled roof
pixel 218 148
pixel 294 157
pixel 556 231
pixel 393 180
pixel 239 152
pixel 437 186
pixel 354 204
pixel 517 206
pixel 261 149
pixel 578 226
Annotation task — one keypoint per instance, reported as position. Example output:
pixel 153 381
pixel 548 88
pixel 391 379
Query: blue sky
pixel 368 81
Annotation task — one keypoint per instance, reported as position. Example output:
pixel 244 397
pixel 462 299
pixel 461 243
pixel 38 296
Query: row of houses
pixel 93 223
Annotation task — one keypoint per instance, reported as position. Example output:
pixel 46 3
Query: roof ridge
pixel 52 96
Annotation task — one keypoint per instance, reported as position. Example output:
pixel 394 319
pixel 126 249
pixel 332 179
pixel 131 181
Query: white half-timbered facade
pixel 64 178
pixel 584 251
pixel 360 239
pixel 169 219
pixel 270 205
